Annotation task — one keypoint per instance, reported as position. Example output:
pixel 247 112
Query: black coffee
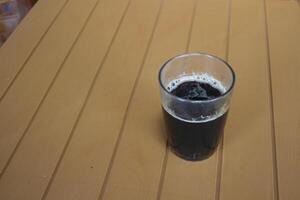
pixel 194 140
pixel 195 90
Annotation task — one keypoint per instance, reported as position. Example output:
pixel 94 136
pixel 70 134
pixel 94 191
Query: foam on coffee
pixel 204 78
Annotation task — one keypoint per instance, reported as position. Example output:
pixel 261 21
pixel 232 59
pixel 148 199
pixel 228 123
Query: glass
pixel 194 127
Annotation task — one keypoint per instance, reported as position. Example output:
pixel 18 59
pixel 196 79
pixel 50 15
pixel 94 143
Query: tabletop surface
pixel 80 114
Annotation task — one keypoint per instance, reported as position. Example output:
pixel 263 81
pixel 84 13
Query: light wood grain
pixel 284 42
pixel 23 99
pixel 137 167
pixel 209 33
pixel 247 152
pixel 80 114
pixel 40 150
pixel 198 179
pixel 23 41
pixel 85 163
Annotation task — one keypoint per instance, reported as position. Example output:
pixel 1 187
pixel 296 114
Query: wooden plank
pixel 24 97
pixel 284 42
pixel 198 179
pixel 138 163
pixel 83 173
pixel 84 165
pixel 23 41
pixel 41 148
pixel 209 32
pixel 247 171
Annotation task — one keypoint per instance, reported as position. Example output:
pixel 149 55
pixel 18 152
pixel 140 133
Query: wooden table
pixel 80 114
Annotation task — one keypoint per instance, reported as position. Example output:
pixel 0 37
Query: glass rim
pixel 202 54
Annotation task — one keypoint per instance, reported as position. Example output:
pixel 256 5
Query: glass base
pixel 194 157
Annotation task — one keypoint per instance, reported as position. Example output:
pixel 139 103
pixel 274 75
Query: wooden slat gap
pixel 119 137
pixel 273 134
pixel 31 53
pixel 47 92
pixel 86 99
pixel 220 151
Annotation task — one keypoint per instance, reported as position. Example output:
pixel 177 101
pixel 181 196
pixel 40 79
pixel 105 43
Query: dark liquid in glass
pixel 195 140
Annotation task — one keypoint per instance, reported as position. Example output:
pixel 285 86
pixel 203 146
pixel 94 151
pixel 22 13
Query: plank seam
pixel 86 99
pixel 120 135
pixel 220 151
pixel 273 135
pixel 187 48
pixel 32 51
pixel 43 98
pixel 163 172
